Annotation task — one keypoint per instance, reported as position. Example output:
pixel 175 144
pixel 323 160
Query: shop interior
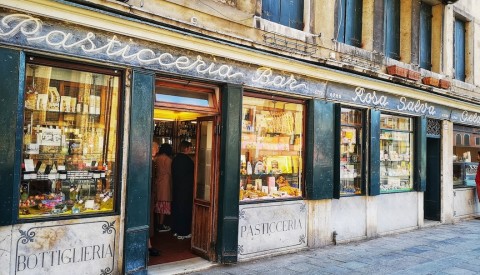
pixel 172 127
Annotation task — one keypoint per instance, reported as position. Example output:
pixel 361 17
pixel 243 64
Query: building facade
pixel 312 123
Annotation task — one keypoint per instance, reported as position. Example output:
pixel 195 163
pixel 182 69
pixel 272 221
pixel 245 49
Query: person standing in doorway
pixel 477 177
pixel 182 191
pixel 163 185
pixel 151 250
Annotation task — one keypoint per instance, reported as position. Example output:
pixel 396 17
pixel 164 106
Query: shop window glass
pixel 271 149
pixel 465 162
pixel 396 153
pixel 69 142
pixel 351 157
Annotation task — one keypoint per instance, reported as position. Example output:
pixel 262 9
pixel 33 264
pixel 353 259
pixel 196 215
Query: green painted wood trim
pixel 336 152
pixel 320 150
pixel 12 81
pixel 228 195
pixel 420 154
pixel 374 157
pixel 137 201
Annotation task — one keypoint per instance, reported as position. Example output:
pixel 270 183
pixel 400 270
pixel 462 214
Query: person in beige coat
pixel 163 185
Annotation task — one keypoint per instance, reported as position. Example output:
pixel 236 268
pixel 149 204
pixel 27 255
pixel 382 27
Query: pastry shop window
pixel 396 149
pixel 271 148
pixel 69 140
pixel 465 162
pixel 351 152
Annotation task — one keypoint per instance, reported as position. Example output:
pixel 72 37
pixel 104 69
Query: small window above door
pixel 186 95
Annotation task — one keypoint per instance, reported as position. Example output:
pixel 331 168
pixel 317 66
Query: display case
pixel 69 142
pixel 351 154
pixel 464 174
pixel 271 149
pixel 174 131
pixel 395 154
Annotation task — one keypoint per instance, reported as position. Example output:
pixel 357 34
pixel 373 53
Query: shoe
pixel 153 252
pixel 184 237
pixel 163 228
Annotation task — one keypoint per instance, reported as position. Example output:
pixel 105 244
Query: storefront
pixel 284 159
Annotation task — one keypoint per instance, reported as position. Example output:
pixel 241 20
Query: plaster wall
pixel 319 223
pixel 446 170
pixel 397 211
pixel 349 218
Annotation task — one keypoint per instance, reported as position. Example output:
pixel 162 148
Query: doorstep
pixel 180 267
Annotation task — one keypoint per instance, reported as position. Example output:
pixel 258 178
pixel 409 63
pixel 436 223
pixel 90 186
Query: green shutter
pixel 459 47
pixel 139 172
pixel 420 159
pixel 425 36
pixel 227 239
pixel 271 10
pixel 320 150
pixel 374 157
pixel 353 22
pixel 392 28
pixel 341 14
pixel 12 81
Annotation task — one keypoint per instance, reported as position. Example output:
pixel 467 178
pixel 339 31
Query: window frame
pixel 61 63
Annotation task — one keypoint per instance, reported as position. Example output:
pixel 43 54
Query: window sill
pixel 272 27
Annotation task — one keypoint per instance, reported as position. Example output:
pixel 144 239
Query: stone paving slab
pixel 442 249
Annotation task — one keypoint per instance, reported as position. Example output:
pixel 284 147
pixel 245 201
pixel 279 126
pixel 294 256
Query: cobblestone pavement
pixel 442 249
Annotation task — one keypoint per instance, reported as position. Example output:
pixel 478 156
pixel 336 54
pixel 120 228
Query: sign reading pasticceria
pixel 57 37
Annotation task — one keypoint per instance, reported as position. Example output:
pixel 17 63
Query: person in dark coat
pixel 182 191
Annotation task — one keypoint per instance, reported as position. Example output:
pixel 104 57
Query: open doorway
pixel 188 112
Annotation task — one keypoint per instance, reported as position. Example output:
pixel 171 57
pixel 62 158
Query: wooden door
pixel 204 226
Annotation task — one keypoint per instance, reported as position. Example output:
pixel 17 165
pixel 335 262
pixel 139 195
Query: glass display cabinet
pixel 395 153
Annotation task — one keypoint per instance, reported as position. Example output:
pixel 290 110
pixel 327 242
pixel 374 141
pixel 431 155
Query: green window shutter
pixel 420 159
pixel 459 50
pixel 341 14
pixel 291 13
pixel 12 82
pixel 271 10
pixel 392 28
pixel 374 157
pixel 353 24
pixel 425 36
pixel 320 150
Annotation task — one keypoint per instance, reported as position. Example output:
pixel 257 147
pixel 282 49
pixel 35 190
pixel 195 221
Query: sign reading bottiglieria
pixel 87 247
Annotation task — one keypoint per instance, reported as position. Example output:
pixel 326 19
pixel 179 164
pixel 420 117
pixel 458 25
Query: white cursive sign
pixel 31 28
pixel 265 77
pixel 415 106
pixel 470 118
pixel 369 98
